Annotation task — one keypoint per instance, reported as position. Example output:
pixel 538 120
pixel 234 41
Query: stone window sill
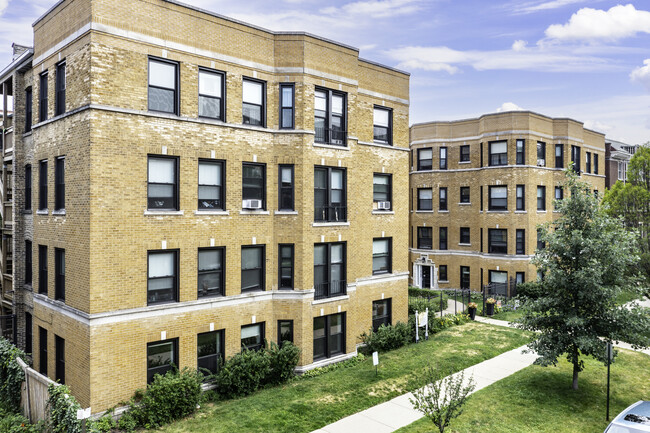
pixel 211 212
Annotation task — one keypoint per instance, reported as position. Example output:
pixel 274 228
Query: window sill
pixel 541 211
pixel 211 212
pixel 285 212
pixel 497 211
pixel 163 212
pixel 333 299
pixel 464 162
pixel 443 211
pixel 42 212
pixel 521 211
pixel 330 224
pixel 424 211
pixel 60 212
pixel 331 146
pixel 464 204
pixel 26 212
pixel 443 281
pixel 464 245
pixel 254 212
pixel 383 212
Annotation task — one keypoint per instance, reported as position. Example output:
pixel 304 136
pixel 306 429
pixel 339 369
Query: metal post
pixel 609 362
pixel 440 304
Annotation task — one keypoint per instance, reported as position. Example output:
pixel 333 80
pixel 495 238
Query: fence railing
pixel 331 136
pixel 34 394
pixel 330 289
pixel 331 213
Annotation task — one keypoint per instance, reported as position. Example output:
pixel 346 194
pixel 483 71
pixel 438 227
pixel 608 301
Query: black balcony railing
pixel 330 289
pixel 331 213
pixel 333 136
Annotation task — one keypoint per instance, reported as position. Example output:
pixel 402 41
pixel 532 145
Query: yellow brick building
pixel 185 183
pixel 479 188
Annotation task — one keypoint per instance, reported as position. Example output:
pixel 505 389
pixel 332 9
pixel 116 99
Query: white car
pixel 634 419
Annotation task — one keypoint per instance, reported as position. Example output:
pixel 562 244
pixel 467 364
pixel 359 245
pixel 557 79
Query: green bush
pixel 387 337
pixel 11 375
pixel 243 374
pixel 529 290
pixel 62 407
pixel 421 304
pixel 101 425
pixel 282 362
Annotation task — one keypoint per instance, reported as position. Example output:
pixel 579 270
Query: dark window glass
pixel 541 198
pixel 381 256
pixel 381 313
pixel 42 349
pixel 210 272
pixel 521 241
pixel 286 181
pixel 595 163
pixel 28 333
pixel 443 158
pixel 209 351
pixel 541 154
pixel 330 194
pixel 559 156
pixel 481 201
pixel 59 184
pixel 60 89
pixel 330 117
pixel 162 188
pixel 425 199
pixel 464 277
pixel 442 238
pixel 286 266
pixel 285 331
pixel 59 274
pixel 497 241
pixel 383 125
pixel 382 190
pixel 500 277
pixel 254 102
pixel 464 153
pixel 464 235
pixel 161 356
pixel 42 102
pixel 162 281
pixel 211 94
pixel 481 152
pixel 42 181
pixel 329 336
pixel 575 159
pixel 498 153
pixel 28 109
pixel 252 268
pixel 211 185
pixel 42 269
pixel 59 354
pixel 254 186
pixel 464 194
pixel 287 102
pixel 28 262
pixel 587 162
pixel 540 243
pixel 329 270
pixel 521 197
pixel 442 273
pixel 442 199
pixel 521 152
pixel 163 86
pixel 425 238
pixel 252 336
pixel 498 200
pixel 28 187
pixel 559 193
pixel 521 277
pixel 425 159
pixel 481 240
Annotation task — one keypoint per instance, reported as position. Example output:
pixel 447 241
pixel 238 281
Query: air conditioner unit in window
pixel 383 205
pixel 252 204
pixel 541 162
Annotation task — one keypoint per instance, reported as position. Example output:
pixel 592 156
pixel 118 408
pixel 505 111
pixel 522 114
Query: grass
pixel 626 296
pixel 539 399
pixel 308 404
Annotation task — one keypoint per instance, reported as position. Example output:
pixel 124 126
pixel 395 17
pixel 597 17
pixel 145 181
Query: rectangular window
pixel 500 277
pixel 60 89
pixel 442 232
pixel 540 243
pixel 425 238
pixel 330 117
pixel 498 153
pixel 329 270
pixel 464 153
pixel 162 183
pixel 211 185
pixel 381 313
pixel 59 274
pixel 42 100
pixel 42 185
pixel 481 152
pixel 286 266
pixel 28 109
pixel 161 356
pixel 211 94
pixel 287 104
pixel 575 159
pixel 42 349
pixel 587 162
pixel 252 336
pixel 382 191
pixel 595 163
pixel 481 200
pixel 329 336
pixel 209 351
pixel 559 193
pixel 253 186
pixel 521 197
pixel 425 159
pixel 59 183
pixel 541 154
pixel 59 355
pixel 464 277
pixel 464 194
pixel 163 86
pixel 442 273
pixel 520 277
pixel 330 194
pixel 464 235
pixel 28 333
pixel 498 200
pixel 622 171
pixel 286 186
pixel 442 199
pixel 381 256
pixel 481 242
pixel 520 241
pixel 28 263
pixel 285 331
pixel 541 198
pixel 443 158
pixel 497 241
pixel 425 199
pixel 28 187
pixel 559 156
pixel 162 277
pixel 383 125
pixel 210 279
pixel 42 269
pixel 521 152
pixel 252 268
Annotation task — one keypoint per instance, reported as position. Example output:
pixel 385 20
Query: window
pixel 210 279
pixel 329 117
pixel 161 356
pixel 541 154
pixel 442 273
pixel 287 103
pixel 442 199
pixel 541 198
pixel 481 200
pixel 500 277
pixel 587 162
pixel 252 268
pixel 163 86
pixel 381 256
pixel 60 89
pixel 28 109
pixel 520 241
pixel 464 153
pixel 521 152
pixel 252 336
pixel 59 274
pixel 442 238
pixel 42 180
pixel 59 183
pixel 286 181
pixel 254 99
pixel 285 331
pixel 464 194
pixel 211 94
pixel 210 350
pixel 559 193
pixel 329 336
pixel 481 242
pixel 286 266
pixel 162 187
pixel 383 125
pixel 211 185
pixel 559 156
pixel 42 269
pixel 464 277
pixel 42 349
pixel 481 152
pixel 329 194
pixel 497 241
pixel 520 277
pixel 498 151
pixel 575 159
pixel 381 313
pixel 425 199
pixel 521 197
pixel 425 238
pixel 59 356
pixel 28 263
pixel 540 243
pixel 382 190
pixel 162 281
pixel 42 100
pixel 28 333
pixel 443 158
pixel 253 186
pixel 464 235
pixel 425 159
pixel 329 270
pixel 622 171
pixel 498 198
pixel 595 163
pixel 28 187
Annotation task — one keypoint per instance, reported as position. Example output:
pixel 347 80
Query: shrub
pixel 11 374
pixel 102 425
pixel 243 374
pixel 282 361
pixel 15 423
pixel 530 290
pixel 62 407
pixel 387 337
pixel 421 304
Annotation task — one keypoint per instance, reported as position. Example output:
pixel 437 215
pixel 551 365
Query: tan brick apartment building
pixel 479 187
pixel 184 183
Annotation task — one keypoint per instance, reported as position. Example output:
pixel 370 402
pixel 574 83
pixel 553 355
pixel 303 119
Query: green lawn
pixel 308 404
pixel 539 399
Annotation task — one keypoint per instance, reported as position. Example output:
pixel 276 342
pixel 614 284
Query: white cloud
pixel 598 126
pixel 509 106
pixel 642 74
pixel 375 8
pixel 593 24
pixel 546 5
pixel 3 6
pixel 519 45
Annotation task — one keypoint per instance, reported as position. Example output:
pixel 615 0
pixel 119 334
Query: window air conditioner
pixel 541 162
pixel 252 204
pixel 384 205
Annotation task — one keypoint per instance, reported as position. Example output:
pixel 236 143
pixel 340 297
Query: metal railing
pixel 330 289
pixel 331 213
pixel 333 136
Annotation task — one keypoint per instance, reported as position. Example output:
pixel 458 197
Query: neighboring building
pixel 186 184
pixel 617 156
pixel 479 188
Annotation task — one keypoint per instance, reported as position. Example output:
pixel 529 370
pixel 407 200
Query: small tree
pixel 442 398
pixel 584 266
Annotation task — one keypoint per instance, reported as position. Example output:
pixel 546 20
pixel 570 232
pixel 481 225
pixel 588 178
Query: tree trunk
pixel 575 376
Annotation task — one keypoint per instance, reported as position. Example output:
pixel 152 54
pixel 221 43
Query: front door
pixel 426 277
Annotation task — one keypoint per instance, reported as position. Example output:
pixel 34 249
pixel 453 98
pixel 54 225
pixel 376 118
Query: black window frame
pixel 520 241
pixel 442 272
pixel 520 151
pixel 465 195
pixel 43 97
pixel 422 163
pixel 497 159
pixel 59 183
pixel 331 135
pixel 464 153
pixel 260 270
pixel 423 201
pixel 281 337
pixel 497 246
pixel 494 271
pixel 42 185
pixel 286 280
pixel 42 270
pixel 575 159
pixel 262 107
pixel 42 350
pixel 208 360
pixel 520 199
pixel 211 204
pixel 557 197
pixel 443 202
pixel 587 162
pixel 443 159
pixel 328 352
pixel 541 201
pixel 60 86
pixel 221 100
pixel 174 277
pixel 262 337
pixel 595 163
pixel 29 107
pixel 28 187
pixel 497 204
pixel 464 236
pixel 286 193
pixel 174 200
pixel 388 193
pixel 331 211
pixel 330 288
pixel 443 239
pixel 559 159
pixel 285 111
pixel 540 243
pixel 205 292
pixel 389 128
pixel 465 277
pixel 422 245
pixel 59 274
pixel 519 280
pixel 388 254
pixel 541 151
pixel 262 187
pixel 175 91
pixel 59 359
pixel 385 319
pixel 163 368
pixel 29 257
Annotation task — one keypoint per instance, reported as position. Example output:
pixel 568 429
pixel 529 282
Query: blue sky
pixel 588 60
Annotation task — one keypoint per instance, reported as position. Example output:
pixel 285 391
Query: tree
pixel 583 268
pixel 441 399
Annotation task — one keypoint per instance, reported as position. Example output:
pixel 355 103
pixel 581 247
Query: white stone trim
pixel 518 257
pixel 330 224
pixel 211 212
pixel 73 36
pixel 285 212
pixel 383 278
pixel 494 167
pixel 325 362
pixel 382 96
pixel 383 146
pixel 383 212
pixel 333 299
pixel 164 212
pixel 254 212
pixel 331 146
pixel 497 134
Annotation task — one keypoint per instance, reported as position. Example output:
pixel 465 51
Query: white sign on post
pixel 375 358
pixel 83 413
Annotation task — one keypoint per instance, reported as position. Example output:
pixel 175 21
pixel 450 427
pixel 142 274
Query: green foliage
pixel 282 362
pixel 11 422
pixel 102 425
pixel 529 290
pixel 387 337
pixel 421 304
pixel 62 407
pixel 243 374
pixel 318 371
pixel 11 375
